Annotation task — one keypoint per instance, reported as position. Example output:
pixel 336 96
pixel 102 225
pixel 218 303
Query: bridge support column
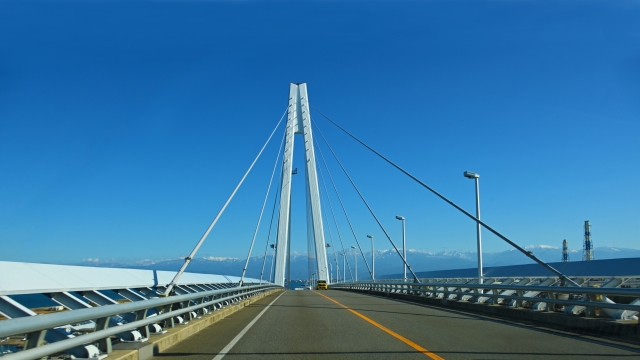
pixel 299 122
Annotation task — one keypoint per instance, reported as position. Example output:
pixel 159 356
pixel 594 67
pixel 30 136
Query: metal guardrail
pixel 167 308
pixel 518 293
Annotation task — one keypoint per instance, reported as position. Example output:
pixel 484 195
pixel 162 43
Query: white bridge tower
pixel 299 122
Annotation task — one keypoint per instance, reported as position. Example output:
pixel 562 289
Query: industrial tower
pixel 299 122
pixel 565 251
pixel 587 254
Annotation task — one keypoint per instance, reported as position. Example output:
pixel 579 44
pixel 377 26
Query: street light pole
pixel 344 267
pixel 373 260
pixel 472 175
pixel 404 246
pixel 273 256
pixel 355 260
pixel 327 246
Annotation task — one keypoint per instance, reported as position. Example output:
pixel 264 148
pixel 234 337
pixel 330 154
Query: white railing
pixel 523 292
pixel 126 304
pixel 166 311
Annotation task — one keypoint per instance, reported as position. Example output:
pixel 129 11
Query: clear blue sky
pixel 125 125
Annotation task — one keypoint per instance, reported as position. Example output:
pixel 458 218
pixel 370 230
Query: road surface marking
pixel 388 331
pixel 233 342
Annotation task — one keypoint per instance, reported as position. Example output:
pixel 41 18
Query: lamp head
pixel 471 175
pixel 370 237
pixel 400 217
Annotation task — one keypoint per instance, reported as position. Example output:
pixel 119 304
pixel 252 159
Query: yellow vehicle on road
pixel 322 285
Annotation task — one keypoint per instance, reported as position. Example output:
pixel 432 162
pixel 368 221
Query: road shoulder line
pixel 235 340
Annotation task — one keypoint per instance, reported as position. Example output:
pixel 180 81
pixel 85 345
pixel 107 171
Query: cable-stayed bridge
pixel 125 313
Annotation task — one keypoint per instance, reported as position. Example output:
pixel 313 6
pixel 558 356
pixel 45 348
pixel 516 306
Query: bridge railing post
pixel 144 330
pixel 519 301
pixel 35 339
pixel 104 345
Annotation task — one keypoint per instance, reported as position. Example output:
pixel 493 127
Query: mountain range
pixel 386 261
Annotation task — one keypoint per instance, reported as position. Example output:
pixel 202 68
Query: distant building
pixel 565 251
pixel 587 253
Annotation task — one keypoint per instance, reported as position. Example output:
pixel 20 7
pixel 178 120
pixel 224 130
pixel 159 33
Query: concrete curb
pixel 583 325
pixel 159 343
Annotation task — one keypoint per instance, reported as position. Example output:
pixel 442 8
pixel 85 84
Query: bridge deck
pixel 306 324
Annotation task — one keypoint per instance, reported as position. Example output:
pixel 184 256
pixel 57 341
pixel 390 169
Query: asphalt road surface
pixel 343 325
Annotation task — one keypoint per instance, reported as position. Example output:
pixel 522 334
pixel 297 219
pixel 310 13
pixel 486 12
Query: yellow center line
pixel 388 331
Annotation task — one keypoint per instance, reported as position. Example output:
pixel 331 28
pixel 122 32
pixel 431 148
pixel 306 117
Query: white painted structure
pixel 299 122
pixel 33 278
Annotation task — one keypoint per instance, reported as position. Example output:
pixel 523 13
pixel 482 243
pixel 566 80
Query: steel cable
pixel 264 203
pixel 335 221
pixel 529 254
pixel 344 209
pixel 415 277
pixel 266 249
pixel 187 260
pixel 324 210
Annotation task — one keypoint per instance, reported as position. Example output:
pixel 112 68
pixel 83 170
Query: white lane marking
pixel 233 342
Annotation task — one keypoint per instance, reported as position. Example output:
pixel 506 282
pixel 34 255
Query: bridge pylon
pixel 299 122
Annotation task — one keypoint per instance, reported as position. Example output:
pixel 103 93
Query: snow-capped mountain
pixel 386 261
pixel 208 264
